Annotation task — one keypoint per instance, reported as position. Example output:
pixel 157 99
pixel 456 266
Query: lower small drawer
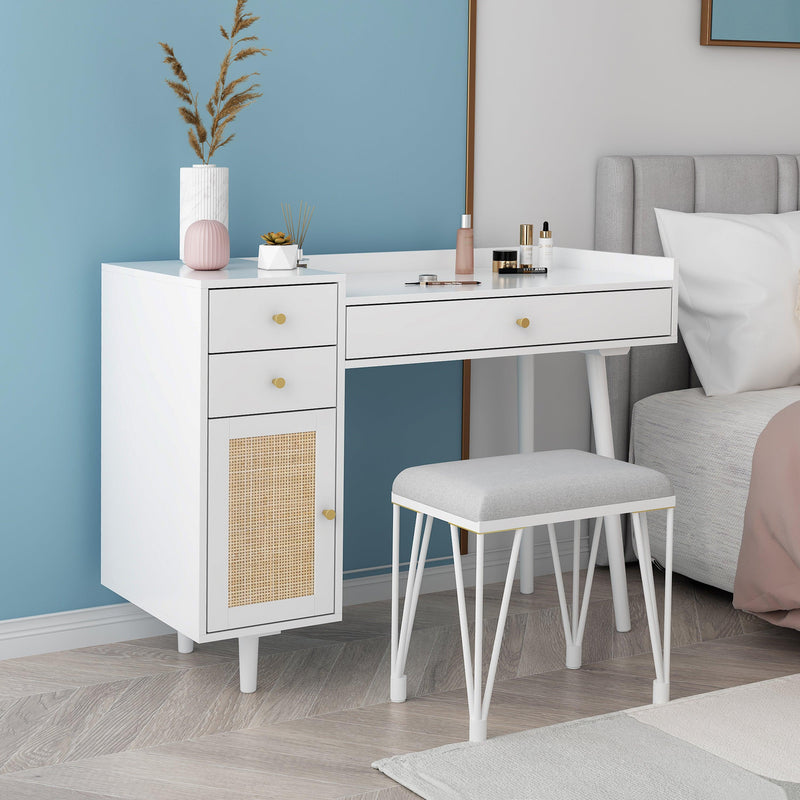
pixel 263 382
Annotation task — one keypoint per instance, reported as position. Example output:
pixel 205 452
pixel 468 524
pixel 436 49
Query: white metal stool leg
pixel 478 697
pixel 663 695
pixel 401 638
pixel 574 629
pixel 462 613
pixel 661 658
pixel 399 688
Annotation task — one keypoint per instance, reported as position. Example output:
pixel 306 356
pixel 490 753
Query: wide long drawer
pixel 269 381
pixel 447 326
pixel 271 317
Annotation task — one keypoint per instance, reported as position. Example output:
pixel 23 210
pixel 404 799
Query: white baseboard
pixel 66 630
pixel 87 627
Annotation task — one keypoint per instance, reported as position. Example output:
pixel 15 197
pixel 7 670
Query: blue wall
pixel 756 20
pixel 363 116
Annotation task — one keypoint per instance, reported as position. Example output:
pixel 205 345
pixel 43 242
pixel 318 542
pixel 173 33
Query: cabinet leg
pixel 185 644
pixel 248 663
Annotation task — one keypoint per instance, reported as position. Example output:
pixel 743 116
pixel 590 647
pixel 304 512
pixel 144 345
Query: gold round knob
pixel 279 382
pixel 329 513
pixel 279 318
pixel 524 322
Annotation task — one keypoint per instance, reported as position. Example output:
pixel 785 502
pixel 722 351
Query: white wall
pixel 560 84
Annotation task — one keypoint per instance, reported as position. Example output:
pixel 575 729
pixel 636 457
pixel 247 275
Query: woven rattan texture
pixel 271 518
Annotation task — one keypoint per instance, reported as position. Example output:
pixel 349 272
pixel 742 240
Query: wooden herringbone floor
pixel 138 720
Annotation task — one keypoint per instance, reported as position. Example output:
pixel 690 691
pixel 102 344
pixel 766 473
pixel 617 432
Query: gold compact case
pixel 504 261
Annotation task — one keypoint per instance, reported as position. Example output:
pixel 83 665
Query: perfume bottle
pixel 526 246
pixel 465 253
pixel 545 246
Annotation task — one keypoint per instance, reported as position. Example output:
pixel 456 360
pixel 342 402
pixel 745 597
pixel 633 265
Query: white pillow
pixel 737 279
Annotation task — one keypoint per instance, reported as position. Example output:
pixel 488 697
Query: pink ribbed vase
pixel 206 245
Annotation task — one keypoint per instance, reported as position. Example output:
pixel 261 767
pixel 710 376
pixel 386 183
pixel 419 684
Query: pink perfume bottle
pixel 465 253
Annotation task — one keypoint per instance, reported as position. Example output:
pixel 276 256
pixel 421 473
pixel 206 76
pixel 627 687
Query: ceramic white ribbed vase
pixel 204 195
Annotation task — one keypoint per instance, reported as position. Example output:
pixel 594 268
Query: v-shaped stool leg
pixel 574 629
pixel 401 632
pixel 661 655
pixel 479 697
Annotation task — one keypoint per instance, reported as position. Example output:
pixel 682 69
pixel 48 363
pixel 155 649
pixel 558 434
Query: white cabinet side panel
pixel 153 445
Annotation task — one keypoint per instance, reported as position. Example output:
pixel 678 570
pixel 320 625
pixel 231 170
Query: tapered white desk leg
pixel 185 644
pixel 604 444
pixel 248 663
pixel 525 384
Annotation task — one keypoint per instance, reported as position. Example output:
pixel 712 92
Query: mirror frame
pixel 706 16
pixel 469 196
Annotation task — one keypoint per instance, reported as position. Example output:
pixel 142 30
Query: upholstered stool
pixel 487 495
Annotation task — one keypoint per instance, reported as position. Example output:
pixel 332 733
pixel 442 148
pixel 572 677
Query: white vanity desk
pixel 174 344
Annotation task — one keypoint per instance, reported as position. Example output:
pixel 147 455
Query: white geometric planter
pixel 204 195
pixel 277 256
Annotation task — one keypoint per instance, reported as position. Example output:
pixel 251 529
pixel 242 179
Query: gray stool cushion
pixel 504 487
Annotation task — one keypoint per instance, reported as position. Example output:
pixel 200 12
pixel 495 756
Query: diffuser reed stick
pixel 297 234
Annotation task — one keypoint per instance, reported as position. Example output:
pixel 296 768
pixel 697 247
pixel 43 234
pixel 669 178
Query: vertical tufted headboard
pixel 628 189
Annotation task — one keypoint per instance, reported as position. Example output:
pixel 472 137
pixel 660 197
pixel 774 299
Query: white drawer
pixel 447 326
pixel 271 317
pixel 242 383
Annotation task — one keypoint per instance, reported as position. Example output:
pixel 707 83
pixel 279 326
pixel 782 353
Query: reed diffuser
pixel 284 249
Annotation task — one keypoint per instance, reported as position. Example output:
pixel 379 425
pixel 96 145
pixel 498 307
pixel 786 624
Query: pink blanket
pixel 768 573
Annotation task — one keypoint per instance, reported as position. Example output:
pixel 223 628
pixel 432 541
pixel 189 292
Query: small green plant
pixel 277 238
pixel 229 96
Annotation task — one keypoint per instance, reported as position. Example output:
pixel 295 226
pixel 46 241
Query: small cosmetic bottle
pixel 465 252
pixel 545 246
pixel 525 246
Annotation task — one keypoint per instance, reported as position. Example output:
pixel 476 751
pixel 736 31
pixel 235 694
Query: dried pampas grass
pixel 228 98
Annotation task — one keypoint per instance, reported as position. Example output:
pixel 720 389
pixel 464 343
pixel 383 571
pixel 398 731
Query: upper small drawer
pixel 271 317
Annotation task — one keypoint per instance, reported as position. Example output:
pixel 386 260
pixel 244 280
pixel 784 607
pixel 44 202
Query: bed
pixel 661 417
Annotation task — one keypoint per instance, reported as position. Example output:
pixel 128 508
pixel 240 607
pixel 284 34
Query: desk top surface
pixel 381 277
pixel 390 287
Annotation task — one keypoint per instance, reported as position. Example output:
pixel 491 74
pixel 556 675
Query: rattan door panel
pixel 271 551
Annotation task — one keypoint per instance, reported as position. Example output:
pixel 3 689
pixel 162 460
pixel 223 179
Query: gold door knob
pixel 524 322
pixel 279 382
pixel 279 318
pixel 329 513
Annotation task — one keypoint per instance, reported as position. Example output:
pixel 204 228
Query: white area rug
pixel 735 744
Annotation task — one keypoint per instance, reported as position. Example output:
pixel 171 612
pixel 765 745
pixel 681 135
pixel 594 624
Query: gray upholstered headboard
pixel 628 189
